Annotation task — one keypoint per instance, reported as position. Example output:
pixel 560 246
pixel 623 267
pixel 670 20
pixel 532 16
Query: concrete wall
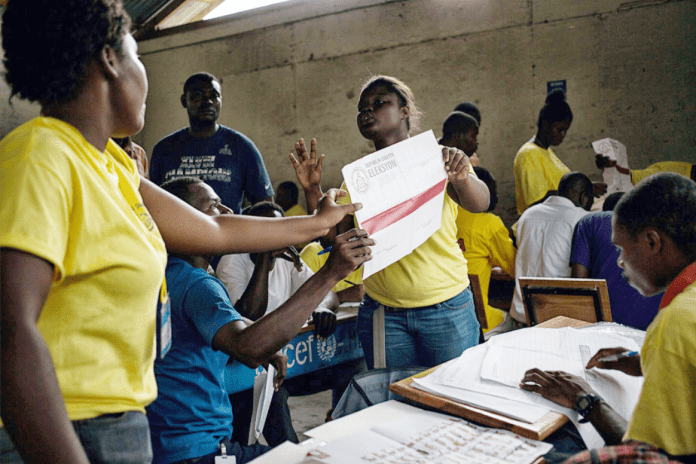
pixel 296 70
pixel 18 111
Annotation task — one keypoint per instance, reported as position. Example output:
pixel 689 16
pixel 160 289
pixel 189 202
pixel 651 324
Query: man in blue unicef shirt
pixel 223 158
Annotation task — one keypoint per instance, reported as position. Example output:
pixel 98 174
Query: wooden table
pixel 539 430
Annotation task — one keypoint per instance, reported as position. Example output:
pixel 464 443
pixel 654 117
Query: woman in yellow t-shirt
pixel 82 239
pixel 537 168
pixel 429 310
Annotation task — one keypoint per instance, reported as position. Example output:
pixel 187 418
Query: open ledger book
pixel 429 437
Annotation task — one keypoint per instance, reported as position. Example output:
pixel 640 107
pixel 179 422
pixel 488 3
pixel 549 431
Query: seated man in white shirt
pixel 258 283
pixel 544 239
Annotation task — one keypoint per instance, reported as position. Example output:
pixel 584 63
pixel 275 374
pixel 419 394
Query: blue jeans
pixel 424 336
pixel 112 438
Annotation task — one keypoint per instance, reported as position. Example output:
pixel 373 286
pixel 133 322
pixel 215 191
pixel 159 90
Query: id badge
pixel 225 459
pixel 164 322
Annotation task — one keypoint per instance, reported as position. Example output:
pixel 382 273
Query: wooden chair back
pixel 478 300
pixel 583 299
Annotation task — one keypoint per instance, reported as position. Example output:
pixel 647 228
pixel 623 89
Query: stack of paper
pixel 488 375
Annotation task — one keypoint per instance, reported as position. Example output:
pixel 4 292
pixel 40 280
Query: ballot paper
pixel 402 190
pixel 429 437
pixel 263 392
pixel 616 151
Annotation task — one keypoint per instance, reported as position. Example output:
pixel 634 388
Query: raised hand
pixel 308 168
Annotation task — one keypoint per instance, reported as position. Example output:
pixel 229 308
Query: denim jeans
pixel 424 336
pixel 112 438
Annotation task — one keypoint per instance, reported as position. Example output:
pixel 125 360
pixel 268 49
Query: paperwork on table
pixel 402 189
pixel 487 376
pixel 425 437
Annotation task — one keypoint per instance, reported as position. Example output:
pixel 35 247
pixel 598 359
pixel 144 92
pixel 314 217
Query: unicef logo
pixel 360 181
pixel 327 348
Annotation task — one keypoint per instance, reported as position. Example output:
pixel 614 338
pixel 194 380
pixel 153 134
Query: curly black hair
pixel 48 44
pixel 665 201
pixel 555 109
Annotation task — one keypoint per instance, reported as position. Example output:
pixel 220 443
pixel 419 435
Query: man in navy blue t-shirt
pixel 223 158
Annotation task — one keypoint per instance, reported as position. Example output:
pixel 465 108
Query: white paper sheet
pixel 263 392
pixel 402 189
pixel 285 453
pixel 615 150
pixel 361 420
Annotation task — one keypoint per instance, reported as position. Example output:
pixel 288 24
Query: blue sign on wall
pixel 305 354
pixel 553 85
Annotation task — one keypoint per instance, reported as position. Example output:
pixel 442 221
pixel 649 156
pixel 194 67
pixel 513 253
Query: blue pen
pixel 616 357
pixel 325 250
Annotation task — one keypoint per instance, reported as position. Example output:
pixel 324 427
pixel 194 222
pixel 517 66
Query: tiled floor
pixel 309 411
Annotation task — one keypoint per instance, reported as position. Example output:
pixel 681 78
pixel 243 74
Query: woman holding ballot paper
pixel 428 308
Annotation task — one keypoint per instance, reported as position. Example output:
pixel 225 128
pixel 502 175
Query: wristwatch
pixel 585 404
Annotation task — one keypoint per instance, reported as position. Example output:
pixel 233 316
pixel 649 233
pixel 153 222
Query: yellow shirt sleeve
pixel 679 167
pixel 310 255
pixel 536 172
pixel 665 415
pixel 502 251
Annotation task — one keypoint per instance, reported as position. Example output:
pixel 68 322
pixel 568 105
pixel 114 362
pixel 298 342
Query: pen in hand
pixel 616 357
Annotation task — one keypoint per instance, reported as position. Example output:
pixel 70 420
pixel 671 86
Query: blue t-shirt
pixel 192 412
pixel 593 249
pixel 228 161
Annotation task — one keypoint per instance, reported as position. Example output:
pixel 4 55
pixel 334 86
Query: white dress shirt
pixel 544 238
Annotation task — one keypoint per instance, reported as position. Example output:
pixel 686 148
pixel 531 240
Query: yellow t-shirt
pixel 536 172
pixel 486 244
pixel 665 415
pixel 315 261
pixel 78 208
pixel 680 167
pixel 434 272
pixel 296 210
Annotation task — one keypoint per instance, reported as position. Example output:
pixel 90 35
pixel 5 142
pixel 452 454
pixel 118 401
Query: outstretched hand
pixel 560 387
pixel 629 366
pixel 332 213
pixel 308 168
pixel 457 165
